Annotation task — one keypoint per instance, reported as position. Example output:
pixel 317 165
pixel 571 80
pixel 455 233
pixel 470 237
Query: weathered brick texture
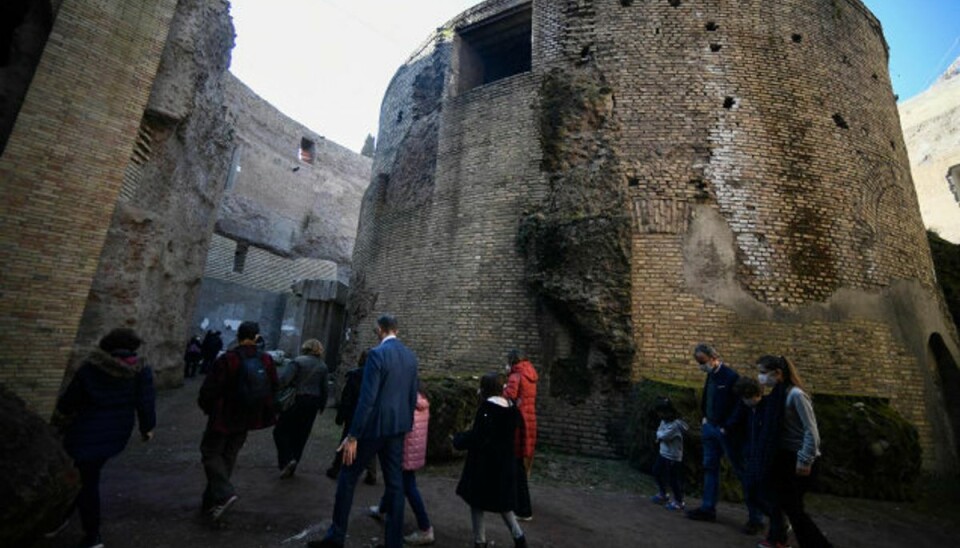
pixel 759 154
pixel 61 173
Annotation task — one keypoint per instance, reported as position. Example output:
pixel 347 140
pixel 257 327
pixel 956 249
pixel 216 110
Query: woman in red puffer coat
pixel 521 388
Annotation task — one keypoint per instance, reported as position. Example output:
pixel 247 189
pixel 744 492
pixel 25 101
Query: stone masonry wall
pixel 67 154
pixel 752 148
pixel 278 202
pixel 152 262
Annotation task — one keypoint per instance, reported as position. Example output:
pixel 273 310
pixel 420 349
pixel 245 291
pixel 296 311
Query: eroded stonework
pixel 663 173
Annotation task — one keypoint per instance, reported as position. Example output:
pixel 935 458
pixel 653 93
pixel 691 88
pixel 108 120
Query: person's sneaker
pixel 288 470
pixel 768 544
pixel 699 514
pixel 660 499
pixel 674 506
pixel 219 510
pixel 525 518
pixel 420 538
pixel 374 512
pixel 752 528
pixel 54 532
pixel 88 542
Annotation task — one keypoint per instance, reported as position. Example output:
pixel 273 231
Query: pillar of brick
pixel 60 176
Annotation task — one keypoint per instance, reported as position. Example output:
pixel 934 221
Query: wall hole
pixel 874 76
pixel 240 257
pixel 626 3
pixel 675 3
pixel 711 26
pixel 729 102
pixel 797 38
pixel 715 47
pixel 308 151
pixel 495 48
pixel 841 123
pixel 586 55
pixel 633 181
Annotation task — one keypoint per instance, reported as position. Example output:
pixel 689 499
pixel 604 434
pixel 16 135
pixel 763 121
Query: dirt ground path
pixel 151 495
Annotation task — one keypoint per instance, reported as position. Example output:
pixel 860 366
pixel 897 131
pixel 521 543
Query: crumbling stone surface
pixel 453 405
pixel 664 174
pixel 152 262
pixel 39 481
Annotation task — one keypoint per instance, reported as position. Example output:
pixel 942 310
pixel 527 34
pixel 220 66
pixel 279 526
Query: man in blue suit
pixel 384 414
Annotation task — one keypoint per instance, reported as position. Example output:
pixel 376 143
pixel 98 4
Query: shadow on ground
pixel 151 495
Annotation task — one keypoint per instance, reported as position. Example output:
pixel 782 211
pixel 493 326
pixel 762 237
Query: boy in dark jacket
pixel 345 410
pixel 110 387
pixel 232 411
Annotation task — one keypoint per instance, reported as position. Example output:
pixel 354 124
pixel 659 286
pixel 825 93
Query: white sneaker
pixel 219 510
pixel 420 538
pixel 374 512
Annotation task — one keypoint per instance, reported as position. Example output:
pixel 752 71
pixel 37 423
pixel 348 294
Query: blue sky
pixel 924 38
pixel 327 63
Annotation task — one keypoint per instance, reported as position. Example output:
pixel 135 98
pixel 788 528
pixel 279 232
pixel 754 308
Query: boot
pixel 520 542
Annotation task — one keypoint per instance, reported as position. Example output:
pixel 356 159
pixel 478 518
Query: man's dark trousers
pixel 219 455
pixel 390 451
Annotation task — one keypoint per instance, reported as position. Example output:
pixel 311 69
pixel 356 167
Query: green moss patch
pixel 453 404
pixel 946 261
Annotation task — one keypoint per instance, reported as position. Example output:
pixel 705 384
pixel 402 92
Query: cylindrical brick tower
pixel 604 183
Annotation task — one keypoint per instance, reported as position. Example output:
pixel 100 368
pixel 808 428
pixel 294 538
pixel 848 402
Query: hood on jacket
pixel 124 364
pixel 526 370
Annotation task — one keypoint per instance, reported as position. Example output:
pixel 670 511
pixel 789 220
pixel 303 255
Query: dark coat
pixel 349 396
pixel 388 392
pixel 220 395
pixel 489 477
pixel 724 400
pixel 100 403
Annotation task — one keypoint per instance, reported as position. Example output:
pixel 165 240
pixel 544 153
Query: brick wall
pixel 66 155
pixel 764 176
pixel 262 269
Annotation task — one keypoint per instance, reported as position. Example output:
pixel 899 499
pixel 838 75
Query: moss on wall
pixel 576 242
pixel 946 261
pixel 453 404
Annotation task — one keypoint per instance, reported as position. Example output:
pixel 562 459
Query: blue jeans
pixel 390 451
pixel 715 446
pixel 413 497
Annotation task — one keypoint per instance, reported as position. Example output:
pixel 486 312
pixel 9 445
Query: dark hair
pixel 362 359
pixel 706 350
pixel 491 384
pixel 248 331
pixel 387 323
pixel 747 387
pixel 665 409
pixel 778 363
pixel 121 338
pixel 515 356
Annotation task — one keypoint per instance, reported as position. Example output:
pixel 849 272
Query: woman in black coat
pixel 489 479
pixel 110 387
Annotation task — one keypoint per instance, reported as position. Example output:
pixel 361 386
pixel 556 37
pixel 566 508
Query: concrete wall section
pixel 223 305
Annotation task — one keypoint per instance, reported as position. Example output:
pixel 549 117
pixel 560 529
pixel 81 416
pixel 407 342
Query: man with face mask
pixel 717 407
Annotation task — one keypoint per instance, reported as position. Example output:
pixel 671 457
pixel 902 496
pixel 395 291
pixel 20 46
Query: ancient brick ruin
pixel 655 174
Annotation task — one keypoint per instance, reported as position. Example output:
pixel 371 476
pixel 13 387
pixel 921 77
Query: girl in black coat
pixel 489 479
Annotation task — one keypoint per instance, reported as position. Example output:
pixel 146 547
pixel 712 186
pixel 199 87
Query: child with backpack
pixel 488 482
pixel 668 468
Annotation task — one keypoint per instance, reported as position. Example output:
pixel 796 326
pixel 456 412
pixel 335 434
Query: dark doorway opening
pixel 949 383
pixel 495 48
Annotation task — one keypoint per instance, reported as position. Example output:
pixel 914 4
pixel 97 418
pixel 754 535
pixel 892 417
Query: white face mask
pixel 705 367
pixel 767 379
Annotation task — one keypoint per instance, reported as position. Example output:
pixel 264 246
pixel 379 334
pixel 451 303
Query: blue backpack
pixel 253 386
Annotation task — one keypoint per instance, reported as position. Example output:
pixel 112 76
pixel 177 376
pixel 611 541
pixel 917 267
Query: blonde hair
pixel 312 346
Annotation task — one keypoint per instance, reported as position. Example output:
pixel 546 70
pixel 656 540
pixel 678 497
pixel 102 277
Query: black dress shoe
pixel 699 514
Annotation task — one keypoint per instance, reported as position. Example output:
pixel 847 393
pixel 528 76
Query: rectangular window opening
pixel 308 151
pixel 240 257
pixel 495 48
pixel 953 180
